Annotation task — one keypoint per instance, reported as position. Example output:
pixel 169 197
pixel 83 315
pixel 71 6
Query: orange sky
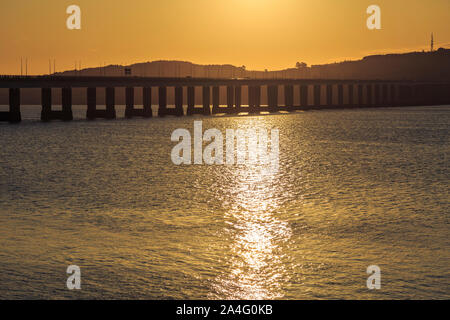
pixel 260 34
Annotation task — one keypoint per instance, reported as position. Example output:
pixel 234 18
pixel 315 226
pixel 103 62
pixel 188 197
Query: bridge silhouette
pixel 358 93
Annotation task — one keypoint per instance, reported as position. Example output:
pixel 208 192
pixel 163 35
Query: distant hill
pixel 408 66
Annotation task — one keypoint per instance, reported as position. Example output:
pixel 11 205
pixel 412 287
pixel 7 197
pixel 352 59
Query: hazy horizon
pixel 79 67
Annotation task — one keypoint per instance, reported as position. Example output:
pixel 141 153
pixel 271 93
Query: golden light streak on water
pixel 256 268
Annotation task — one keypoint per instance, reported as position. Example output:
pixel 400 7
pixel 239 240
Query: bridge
pixel 358 93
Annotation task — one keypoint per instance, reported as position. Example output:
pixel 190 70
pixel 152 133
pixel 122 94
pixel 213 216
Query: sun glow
pixel 260 34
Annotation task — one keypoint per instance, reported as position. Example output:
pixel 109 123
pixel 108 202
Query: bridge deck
pixel 103 81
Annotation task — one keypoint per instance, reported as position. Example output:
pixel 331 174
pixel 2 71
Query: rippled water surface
pixel 354 188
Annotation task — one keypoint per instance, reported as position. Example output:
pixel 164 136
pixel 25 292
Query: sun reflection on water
pixel 256 270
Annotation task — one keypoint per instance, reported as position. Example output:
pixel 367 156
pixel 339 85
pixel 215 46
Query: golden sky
pixel 259 34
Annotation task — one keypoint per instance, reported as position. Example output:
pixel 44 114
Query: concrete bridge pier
pixel 401 95
pixel 329 95
pixel 427 94
pixel 360 96
pixel 129 102
pixel 47 114
pixel 206 93
pixel 14 105
pixel 369 95
pixel 147 102
pixel 447 93
pixel 178 102
pixel 130 110
pixel 444 94
pixel 238 98
pixel 254 94
pixel 432 94
pixel 163 110
pixel 435 97
pixel 46 99
pixel 340 91
pixel 377 94
pixel 251 99
pixel 384 95
pixel 420 97
pixel 351 101
pixel 110 101
pixel 67 114
pixel 303 97
pixel 289 97
pixel 230 100
pixel 405 93
pixel 424 96
pixel 446 89
pixel 13 115
pixel 416 92
pixel 162 102
pixel 316 89
pixel 392 95
pixel 258 98
pixel 272 97
pixel 216 100
pixel 191 101
pixel 91 112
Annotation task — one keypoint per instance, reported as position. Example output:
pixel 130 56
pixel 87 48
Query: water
pixel 354 188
